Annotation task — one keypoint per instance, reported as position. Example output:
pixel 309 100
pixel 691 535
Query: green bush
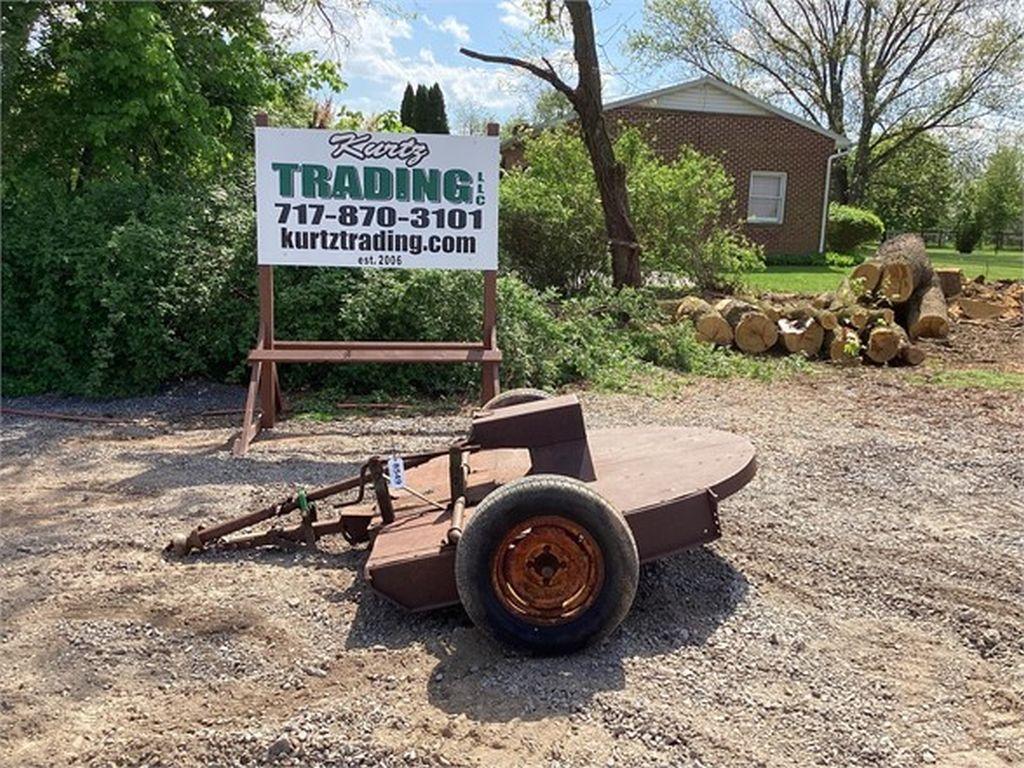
pixel 602 337
pixel 968 235
pixel 968 227
pixel 122 286
pixel 551 229
pixel 849 227
pixel 684 215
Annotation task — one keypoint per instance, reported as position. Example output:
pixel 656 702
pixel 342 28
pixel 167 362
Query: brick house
pixel 780 163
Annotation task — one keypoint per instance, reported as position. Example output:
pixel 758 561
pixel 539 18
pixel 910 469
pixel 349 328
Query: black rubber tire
pixel 546 495
pixel 515 397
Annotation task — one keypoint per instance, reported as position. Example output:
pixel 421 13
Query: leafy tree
pixel 912 192
pixel 421 109
pixel 127 226
pixel 408 109
pixel 1001 193
pixel 967 226
pixel 883 71
pixel 438 116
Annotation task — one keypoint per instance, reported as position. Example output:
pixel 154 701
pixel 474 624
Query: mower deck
pixel 666 481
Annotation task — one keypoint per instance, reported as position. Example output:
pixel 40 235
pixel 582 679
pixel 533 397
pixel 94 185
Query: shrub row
pixel 826 259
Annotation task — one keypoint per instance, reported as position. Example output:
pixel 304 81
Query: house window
pixel 767 199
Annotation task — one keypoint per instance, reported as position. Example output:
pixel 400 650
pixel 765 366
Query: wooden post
pixel 269 395
pixel 490 386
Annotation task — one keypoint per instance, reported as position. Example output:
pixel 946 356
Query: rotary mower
pixel 537 527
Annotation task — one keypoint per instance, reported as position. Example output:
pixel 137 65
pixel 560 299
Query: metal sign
pixel 389 200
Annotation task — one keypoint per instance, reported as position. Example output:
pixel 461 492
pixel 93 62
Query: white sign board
pixel 393 200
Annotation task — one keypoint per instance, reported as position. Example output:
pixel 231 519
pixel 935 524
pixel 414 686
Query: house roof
pixel 663 98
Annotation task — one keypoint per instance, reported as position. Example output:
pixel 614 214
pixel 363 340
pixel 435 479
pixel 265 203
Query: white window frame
pixel 782 176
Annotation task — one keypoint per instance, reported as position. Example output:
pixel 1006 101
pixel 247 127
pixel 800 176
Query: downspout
pixel 824 202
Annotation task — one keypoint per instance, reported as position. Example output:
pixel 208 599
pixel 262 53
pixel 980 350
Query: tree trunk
pixel 926 312
pixel 869 273
pixel 905 267
pixel 609 172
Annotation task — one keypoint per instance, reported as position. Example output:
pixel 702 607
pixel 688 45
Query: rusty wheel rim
pixel 547 570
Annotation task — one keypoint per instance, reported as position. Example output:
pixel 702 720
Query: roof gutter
pixel 828 183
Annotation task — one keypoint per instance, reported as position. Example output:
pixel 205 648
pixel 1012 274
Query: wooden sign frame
pixel 265 388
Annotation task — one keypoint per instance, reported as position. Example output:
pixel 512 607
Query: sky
pixel 418 42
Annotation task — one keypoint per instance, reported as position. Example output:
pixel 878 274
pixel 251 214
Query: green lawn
pixel 1002 266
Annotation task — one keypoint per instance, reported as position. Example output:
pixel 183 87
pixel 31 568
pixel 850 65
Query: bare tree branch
pixel 548 75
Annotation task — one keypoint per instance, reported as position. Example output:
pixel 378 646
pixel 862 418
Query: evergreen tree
pixel 421 113
pixel 438 117
pixel 407 114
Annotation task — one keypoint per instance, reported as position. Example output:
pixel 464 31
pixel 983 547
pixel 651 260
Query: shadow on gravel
pixel 680 603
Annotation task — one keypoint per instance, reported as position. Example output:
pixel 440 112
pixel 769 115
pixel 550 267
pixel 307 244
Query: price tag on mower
pixel 396 472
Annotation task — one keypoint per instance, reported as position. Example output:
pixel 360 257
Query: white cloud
pixel 455 28
pixel 372 56
pixel 514 15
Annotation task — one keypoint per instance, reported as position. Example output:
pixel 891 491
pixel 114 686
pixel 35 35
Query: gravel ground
pixel 863 608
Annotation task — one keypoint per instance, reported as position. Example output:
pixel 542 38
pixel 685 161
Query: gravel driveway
pixel 865 606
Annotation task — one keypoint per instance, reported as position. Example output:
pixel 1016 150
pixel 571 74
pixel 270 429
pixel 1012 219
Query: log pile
pixel 875 315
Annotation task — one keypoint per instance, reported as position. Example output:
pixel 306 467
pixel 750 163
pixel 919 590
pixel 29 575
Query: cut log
pixel 807 311
pixel 753 331
pixel 843 346
pixel 824 300
pixel 908 354
pixel 869 273
pixel 905 267
pixel 883 344
pixel 979 309
pixel 846 294
pixel 710 326
pixel 855 316
pixel 881 316
pixel 827 319
pixel 801 336
pixel 926 312
pixel 951 279
pixel 771 312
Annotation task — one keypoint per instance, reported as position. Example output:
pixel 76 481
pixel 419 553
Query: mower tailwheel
pixel 546 565
pixel 515 397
